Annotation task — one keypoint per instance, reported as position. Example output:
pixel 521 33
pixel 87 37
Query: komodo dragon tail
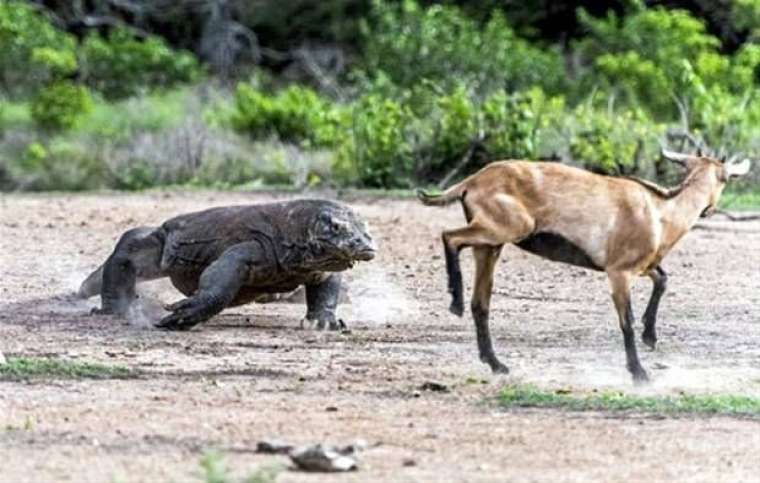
pixel 92 284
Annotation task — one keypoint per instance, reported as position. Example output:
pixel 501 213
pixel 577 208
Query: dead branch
pixel 463 163
pixel 733 217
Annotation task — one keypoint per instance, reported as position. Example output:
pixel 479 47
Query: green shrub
pixel 121 65
pixel 409 43
pixel 31 45
pixel 123 119
pixel 378 153
pixel 457 125
pixel 60 105
pixel 617 143
pixel 513 123
pixel 658 58
pixel 295 114
pixel 59 164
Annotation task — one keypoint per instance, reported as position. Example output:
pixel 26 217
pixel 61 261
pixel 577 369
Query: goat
pixel 623 226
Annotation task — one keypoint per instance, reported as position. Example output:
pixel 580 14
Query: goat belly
pixel 558 249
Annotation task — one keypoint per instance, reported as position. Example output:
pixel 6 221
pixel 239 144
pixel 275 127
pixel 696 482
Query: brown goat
pixel 622 226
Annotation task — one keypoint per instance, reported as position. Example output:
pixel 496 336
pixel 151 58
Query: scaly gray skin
pixel 234 255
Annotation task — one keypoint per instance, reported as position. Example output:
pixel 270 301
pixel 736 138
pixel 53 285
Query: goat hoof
pixel 640 378
pixel 649 340
pixel 498 368
pixel 456 308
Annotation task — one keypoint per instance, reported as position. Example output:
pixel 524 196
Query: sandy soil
pixel 251 374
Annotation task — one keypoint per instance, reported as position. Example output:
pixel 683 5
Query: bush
pixel 409 43
pixel 659 59
pixel 121 65
pixel 615 143
pixel 31 45
pixel 378 153
pixel 514 123
pixel 60 105
pixel 58 164
pixel 295 114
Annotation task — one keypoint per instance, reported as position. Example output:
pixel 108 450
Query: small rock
pixel 353 448
pixel 409 462
pixel 273 446
pixel 331 409
pixel 434 386
pixel 319 458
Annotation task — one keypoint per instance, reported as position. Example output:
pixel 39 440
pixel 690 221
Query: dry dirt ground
pixel 251 374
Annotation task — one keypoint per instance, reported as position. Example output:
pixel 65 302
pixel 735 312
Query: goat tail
pixel 454 193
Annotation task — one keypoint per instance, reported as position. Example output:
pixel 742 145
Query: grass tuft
pixel 215 471
pixel 24 368
pixel 743 200
pixel 530 396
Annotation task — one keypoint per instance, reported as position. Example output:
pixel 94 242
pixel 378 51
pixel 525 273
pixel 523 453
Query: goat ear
pixel 735 170
pixel 679 158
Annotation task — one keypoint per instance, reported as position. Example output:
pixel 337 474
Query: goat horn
pixel 679 158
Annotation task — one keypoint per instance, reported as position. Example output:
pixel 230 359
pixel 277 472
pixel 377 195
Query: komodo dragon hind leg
pixel 136 257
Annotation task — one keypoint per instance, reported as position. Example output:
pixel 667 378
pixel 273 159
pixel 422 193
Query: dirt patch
pixel 252 374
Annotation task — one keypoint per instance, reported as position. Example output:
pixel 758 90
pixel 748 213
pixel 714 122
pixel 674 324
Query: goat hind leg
pixel 649 335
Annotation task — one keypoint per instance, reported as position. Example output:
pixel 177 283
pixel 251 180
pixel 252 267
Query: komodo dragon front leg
pixel 218 285
pixel 321 301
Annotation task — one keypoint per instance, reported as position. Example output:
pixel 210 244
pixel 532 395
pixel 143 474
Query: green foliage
pixel 31 48
pixel 530 396
pixel 506 125
pixel 58 62
pixel 746 15
pixel 617 142
pixel 121 65
pixel 295 114
pixel 24 368
pixel 60 105
pixel 748 199
pixel 215 471
pixel 123 119
pixel 409 43
pixel 214 468
pixel 513 123
pixel 455 127
pixel 647 56
pixel 379 151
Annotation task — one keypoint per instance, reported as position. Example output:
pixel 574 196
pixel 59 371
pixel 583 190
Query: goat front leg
pixel 620 283
pixel 485 261
pixel 454 275
pixel 659 279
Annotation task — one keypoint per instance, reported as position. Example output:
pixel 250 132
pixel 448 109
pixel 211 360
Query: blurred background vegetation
pixel 131 94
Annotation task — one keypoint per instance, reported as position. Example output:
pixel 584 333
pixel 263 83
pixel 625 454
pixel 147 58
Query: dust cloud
pixel 375 298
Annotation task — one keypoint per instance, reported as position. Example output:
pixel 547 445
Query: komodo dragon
pixel 234 255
